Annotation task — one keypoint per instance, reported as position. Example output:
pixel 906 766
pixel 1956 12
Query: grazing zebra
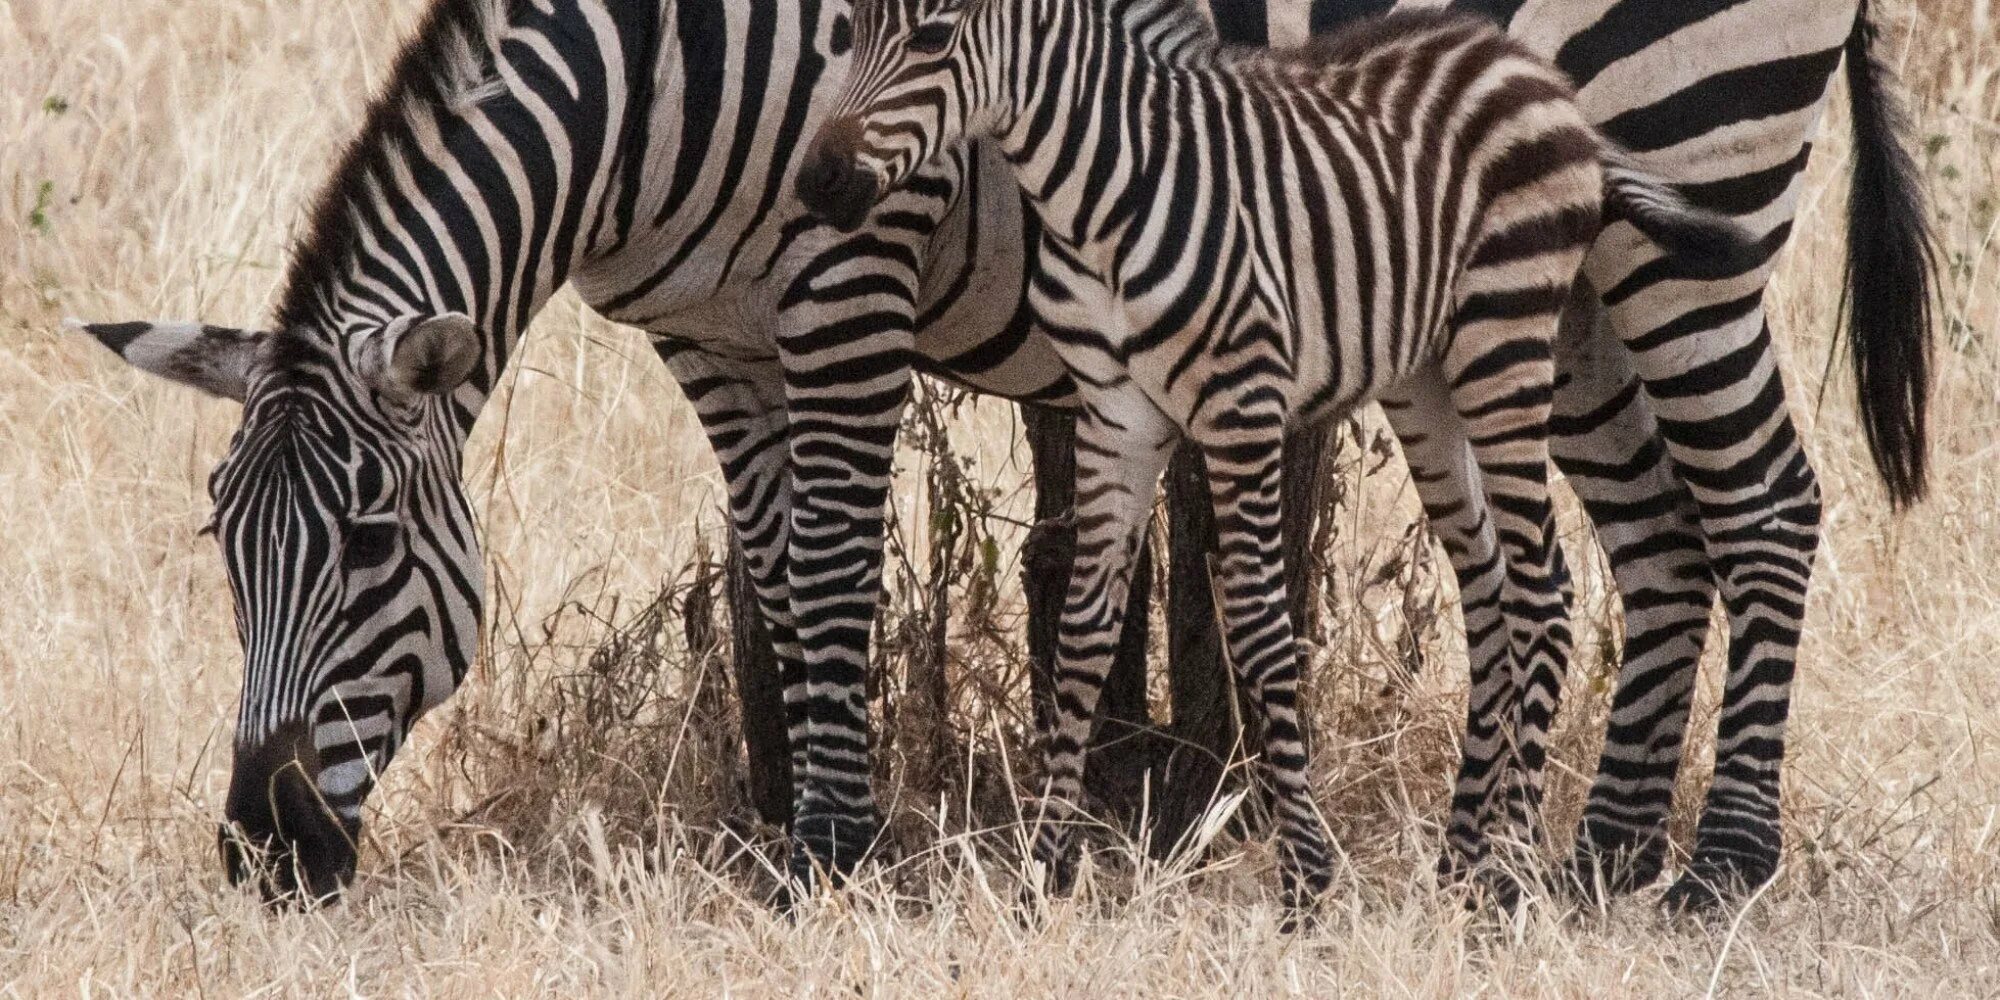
pixel 644 152
pixel 1236 241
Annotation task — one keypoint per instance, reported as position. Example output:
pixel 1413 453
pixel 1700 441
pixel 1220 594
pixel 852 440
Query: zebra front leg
pixel 1245 478
pixel 1607 443
pixel 845 341
pixel 1454 500
pixel 1122 445
pixel 741 405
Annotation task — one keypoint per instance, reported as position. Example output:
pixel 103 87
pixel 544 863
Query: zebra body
pixel 645 152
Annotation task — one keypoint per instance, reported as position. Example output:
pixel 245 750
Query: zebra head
pixel 350 554
pixel 913 88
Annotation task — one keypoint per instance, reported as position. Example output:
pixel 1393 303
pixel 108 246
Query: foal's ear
pixel 214 359
pixel 422 355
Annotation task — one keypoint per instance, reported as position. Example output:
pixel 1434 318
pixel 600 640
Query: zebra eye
pixel 368 543
pixel 932 38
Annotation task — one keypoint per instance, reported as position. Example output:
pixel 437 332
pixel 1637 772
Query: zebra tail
pixel 1667 218
pixel 1892 284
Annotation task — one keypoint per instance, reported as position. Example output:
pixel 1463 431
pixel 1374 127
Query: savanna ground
pixel 571 823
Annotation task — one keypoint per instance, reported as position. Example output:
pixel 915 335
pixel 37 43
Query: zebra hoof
pixel 1497 881
pixel 1454 868
pixel 1047 880
pixel 1052 873
pixel 1710 885
pixel 1495 889
pixel 1054 878
pixel 826 849
pixel 1600 871
pixel 1300 906
pixel 1305 873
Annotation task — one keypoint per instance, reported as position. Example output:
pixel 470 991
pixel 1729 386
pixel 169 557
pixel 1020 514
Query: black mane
pixel 423 75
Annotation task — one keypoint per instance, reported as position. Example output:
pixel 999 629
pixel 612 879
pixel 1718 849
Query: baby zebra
pixel 1236 240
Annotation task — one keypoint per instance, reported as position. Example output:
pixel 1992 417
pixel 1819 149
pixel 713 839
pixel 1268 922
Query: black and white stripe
pixel 644 150
pixel 1670 422
pixel 1235 241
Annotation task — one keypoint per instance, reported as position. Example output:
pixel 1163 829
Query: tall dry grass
pixel 569 824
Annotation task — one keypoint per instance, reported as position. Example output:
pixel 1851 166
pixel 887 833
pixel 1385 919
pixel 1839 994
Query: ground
pixel 570 823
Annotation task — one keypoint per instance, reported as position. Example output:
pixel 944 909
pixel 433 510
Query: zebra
pixel 643 152
pixel 1238 241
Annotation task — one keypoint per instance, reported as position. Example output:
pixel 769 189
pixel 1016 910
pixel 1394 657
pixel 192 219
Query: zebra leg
pixel 1245 479
pixel 741 405
pixel 1538 618
pixel 1122 445
pixel 844 331
pixel 1607 443
pixel 1716 388
pixel 1504 410
pixel 1454 501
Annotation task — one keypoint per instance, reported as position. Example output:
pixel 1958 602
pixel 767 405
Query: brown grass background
pixel 571 822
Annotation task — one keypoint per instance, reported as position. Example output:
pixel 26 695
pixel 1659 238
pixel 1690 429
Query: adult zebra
pixel 643 150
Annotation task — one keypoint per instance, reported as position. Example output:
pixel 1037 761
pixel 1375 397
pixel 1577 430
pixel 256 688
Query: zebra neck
pixel 479 176
pixel 1093 81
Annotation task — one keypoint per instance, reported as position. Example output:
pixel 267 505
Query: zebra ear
pixel 214 359
pixel 423 355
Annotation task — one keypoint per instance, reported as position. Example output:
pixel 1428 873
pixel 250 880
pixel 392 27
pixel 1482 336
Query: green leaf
pixel 38 216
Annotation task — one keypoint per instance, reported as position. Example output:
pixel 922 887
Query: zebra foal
pixel 1236 240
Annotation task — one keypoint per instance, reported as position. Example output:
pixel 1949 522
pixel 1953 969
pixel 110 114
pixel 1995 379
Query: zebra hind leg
pixel 1448 484
pixel 1122 445
pixel 1501 371
pixel 1536 603
pixel 1607 444
pixel 1764 567
pixel 1723 417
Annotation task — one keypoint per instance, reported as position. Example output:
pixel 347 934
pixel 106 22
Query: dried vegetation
pixel 577 821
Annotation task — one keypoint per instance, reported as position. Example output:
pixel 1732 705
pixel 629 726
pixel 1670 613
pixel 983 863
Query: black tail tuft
pixel 1891 276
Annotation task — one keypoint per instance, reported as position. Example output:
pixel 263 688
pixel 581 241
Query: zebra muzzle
pixel 836 190
pixel 279 831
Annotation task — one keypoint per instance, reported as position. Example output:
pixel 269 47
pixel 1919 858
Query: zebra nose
pixel 836 191
pixel 279 831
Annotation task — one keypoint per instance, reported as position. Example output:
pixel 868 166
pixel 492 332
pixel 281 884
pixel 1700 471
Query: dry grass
pixel 560 829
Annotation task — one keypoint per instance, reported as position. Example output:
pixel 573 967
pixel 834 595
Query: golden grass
pixel 156 154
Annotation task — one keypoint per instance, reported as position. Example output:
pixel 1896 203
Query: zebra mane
pixel 1356 40
pixel 1177 30
pixel 446 67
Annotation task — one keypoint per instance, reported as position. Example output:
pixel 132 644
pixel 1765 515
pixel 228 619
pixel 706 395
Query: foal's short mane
pixel 1184 26
pixel 1185 15
pixel 448 61
pixel 1356 39
pixel 1179 28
